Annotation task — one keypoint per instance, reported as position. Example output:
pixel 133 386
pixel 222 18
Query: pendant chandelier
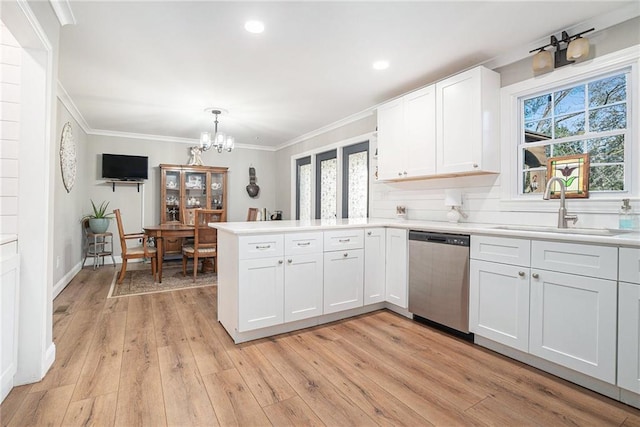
pixel 218 140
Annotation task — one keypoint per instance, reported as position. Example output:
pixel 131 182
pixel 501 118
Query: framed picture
pixel 573 171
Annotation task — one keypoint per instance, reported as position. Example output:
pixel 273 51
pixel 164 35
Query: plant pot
pixel 99 225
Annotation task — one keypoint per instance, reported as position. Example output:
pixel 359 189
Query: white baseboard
pixel 66 279
pixel 6 381
pixel 49 358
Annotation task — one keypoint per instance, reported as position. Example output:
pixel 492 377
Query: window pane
pixel 568 149
pixel 569 100
pixel 606 178
pixel 535 157
pixel 358 182
pixel 534 181
pixel 304 186
pixel 537 108
pixel 328 188
pixel 572 124
pixel 537 131
pixel 606 150
pixel 608 118
pixel 607 91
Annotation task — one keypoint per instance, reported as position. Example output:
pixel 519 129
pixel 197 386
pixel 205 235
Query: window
pixel 303 188
pixel 327 185
pixel 587 117
pixel 355 181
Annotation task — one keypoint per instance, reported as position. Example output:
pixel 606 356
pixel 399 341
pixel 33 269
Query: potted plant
pixel 99 219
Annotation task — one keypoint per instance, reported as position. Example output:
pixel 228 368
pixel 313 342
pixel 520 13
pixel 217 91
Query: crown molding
pixel 68 103
pixel 342 122
pixel 62 9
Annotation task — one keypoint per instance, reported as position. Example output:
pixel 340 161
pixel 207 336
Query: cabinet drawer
pixel 343 239
pixel 630 265
pixel 303 243
pixel 501 249
pixel 261 246
pixel 585 260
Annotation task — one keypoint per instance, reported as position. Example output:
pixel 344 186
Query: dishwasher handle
pixel 441 238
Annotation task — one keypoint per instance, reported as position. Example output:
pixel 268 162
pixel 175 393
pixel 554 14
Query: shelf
pixel 113 183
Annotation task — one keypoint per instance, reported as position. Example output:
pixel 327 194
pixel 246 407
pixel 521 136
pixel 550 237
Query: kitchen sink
pixel 571 230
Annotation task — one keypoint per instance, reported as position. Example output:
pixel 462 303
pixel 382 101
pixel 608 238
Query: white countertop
pixel 631 239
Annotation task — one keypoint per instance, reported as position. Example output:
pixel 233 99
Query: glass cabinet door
pixel 217 191
pixel 172 197
pixel 195 189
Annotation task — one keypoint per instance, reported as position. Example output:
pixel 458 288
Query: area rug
pixel 138 282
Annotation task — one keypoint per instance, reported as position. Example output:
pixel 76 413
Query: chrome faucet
pixel 563 216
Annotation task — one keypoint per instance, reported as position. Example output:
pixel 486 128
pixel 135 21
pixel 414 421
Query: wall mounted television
pixel 124 167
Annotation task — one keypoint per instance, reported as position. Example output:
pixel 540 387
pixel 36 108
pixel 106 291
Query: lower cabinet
pixel 396 274
pixel 260 293
pixel 9 292
pixel 499 303
pixel 573 322
pixel 629 320
pixel 303 279
pixel 374 265
pixel 343 280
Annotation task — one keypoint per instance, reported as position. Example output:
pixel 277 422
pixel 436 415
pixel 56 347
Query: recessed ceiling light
pixel 381 65
pixel 255 27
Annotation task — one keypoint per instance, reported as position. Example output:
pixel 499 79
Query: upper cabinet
pixel 190 187
pixel 447 129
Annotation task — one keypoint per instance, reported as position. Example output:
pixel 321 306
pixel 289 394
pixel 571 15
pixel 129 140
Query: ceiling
pixel 152 67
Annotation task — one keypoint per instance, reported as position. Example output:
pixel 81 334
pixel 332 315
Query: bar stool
pixel 97 245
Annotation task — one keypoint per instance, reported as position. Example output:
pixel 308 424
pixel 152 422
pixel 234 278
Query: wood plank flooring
pixel 163 359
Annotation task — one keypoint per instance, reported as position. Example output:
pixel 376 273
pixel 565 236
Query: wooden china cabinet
pixel 183 188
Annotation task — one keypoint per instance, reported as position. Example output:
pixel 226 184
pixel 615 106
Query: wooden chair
pixel 136 252
pixel 205 241
pixel 252 215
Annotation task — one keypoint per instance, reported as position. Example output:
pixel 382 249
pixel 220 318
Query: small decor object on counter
pixel 626 219
pixel 453 199
pixel 573 171
pixel 401 212
pixel 196 157
pixel 252 189
pixel 276 215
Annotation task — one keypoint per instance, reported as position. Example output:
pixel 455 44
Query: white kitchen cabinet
pixel 9 290
pixel 374 265
pixel 303 276
pixel 467 122
pixel 260 293
pixel 573 322
pixel 406 136
pixel 629 320
pixel 499 303
pixel 396 282
pixel 343 280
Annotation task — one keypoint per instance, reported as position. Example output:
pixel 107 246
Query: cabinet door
pixel 374 265
pixel 420 130
pixel 9 297
pixel 170 196
pixel 303 286
pixel 459 123
pixel 396 274
pixel 629 337
pixel 260 293
pixel 499 303
pixel 343 280
pixel 573 322
pixel 391 140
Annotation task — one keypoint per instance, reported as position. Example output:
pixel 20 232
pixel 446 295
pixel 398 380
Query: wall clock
pixel 68 157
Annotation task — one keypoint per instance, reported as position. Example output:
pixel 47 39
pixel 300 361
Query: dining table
pixel 167 231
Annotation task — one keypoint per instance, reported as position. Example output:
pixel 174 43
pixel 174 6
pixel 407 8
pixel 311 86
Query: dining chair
pixel 205 241
pixel 134 252
pixel 252 214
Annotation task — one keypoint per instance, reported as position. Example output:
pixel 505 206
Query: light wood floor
pixel 163 359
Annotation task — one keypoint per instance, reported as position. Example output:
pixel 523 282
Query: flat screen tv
pixel 124 167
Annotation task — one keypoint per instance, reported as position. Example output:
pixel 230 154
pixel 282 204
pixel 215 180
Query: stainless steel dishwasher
pixel 439 278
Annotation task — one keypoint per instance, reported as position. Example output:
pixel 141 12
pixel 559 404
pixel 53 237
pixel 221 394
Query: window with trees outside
pixel 588 117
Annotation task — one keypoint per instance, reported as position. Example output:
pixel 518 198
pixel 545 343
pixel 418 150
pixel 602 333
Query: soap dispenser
pixel 626 217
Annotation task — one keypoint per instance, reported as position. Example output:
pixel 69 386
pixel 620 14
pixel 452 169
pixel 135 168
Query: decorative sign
pixel 574 172
pixel 68 157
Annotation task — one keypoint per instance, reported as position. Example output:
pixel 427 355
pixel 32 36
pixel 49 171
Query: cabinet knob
pixel 475 165
pixel 280 261
pixel 368 233
pixel 289 260
pixel 521 273
pixel 345 254
pixel 535 275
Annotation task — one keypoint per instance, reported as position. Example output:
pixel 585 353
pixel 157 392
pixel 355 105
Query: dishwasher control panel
pixel 448 239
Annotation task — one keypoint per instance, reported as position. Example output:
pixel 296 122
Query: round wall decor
pixel 68 157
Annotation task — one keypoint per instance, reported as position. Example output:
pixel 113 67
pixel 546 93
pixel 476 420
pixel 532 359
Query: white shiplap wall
pixel 10 60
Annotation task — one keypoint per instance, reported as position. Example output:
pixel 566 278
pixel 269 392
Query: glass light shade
pixel 542 61
pixel 230 143
pixel 578 48
pixel 205 140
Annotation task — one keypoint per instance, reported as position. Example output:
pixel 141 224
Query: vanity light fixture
pixel 568 50
pixel 215 139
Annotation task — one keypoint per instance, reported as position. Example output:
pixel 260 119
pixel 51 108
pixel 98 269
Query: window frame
pixel 346 151
pixel 300 162
pixel 319 158
pixel 511 96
